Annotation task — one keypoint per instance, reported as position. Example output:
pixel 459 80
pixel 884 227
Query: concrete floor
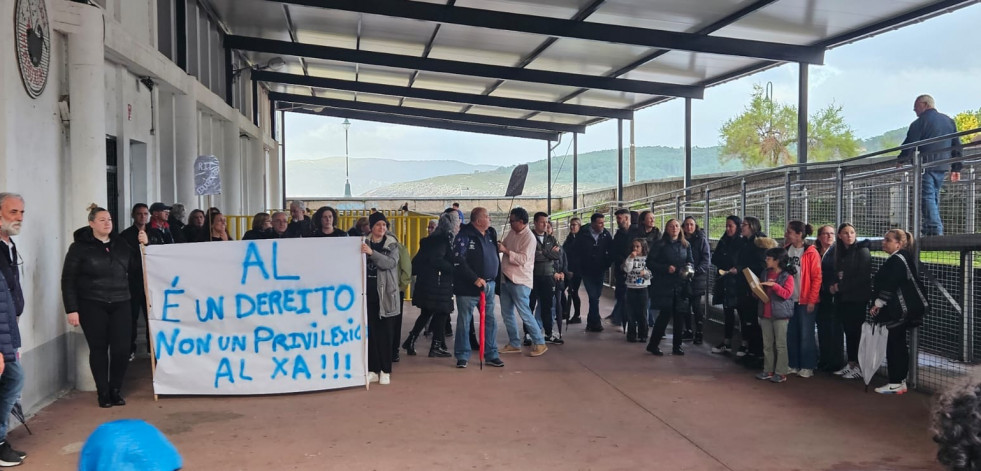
pixel 596 402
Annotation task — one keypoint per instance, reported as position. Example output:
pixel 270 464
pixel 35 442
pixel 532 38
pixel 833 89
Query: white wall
pixel 35 156
pixel 33 150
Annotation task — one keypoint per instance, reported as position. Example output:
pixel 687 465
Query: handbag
pixel 914 307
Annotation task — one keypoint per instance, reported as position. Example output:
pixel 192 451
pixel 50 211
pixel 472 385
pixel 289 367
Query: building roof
pixel 532 68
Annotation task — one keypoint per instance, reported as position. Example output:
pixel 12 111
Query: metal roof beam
pixel 440 95
pixel 574 29
pixel 428 123
pixel 424 113
pixel 272 46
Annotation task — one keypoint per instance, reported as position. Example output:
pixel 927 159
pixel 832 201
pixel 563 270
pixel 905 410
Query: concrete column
pixel 231 170
pixel 87 137
pixel 186 147
pixel 167 147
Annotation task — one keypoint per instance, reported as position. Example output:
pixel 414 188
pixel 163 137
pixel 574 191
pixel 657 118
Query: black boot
pixel 116 398
pixel 410 344
pixel 104 401
pixel 437 350
pixel 442 346
pixel 449 327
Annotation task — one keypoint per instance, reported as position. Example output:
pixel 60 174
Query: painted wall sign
pixel 32 44
pixel 257 317
pixel 207 175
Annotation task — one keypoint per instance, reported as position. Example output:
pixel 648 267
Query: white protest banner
pixel 257 317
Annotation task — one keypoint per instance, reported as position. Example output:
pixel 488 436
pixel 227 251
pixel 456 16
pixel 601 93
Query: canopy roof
pixel 532 68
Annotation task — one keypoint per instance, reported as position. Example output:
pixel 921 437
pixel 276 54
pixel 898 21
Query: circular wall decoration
pixel 33 44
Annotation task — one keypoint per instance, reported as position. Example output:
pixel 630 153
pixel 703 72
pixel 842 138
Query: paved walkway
pixel 596 402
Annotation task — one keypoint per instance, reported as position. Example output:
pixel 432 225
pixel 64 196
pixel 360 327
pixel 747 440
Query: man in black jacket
pixel 301 225
pixel 593 251
pixel 11 217
pixel 141 219
pixel 622 245
pixel 477 270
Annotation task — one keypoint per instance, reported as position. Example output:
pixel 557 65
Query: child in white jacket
pixel 638 279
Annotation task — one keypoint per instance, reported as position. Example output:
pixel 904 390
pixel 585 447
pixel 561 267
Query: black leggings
pixel 543 293
pixel 107 330
pixel 750 324
pixel 637 313
pixel 677 319
pixel 897 355
pixel 380 333
pixel 573 300
pixel 138 309
pixel 729 316
pixel 852 315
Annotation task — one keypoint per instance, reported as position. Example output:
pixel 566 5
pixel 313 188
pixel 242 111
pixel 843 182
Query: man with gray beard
pixel 11 216
pixel 11 372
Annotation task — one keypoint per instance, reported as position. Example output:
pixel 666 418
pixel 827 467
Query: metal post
pixel 633 153
pixel 677 207
pixel 687 144
pixel 229 84
pixel 786 198
pixel 967 271
pixel 802 89
pixel 742 197
pixel 708 213
pixel 766 213
pixel 906 199
pixel 851 201
pixel 255 102
pixel 548 183
pixel 839 195
pixel 575 170
pixel 619 160
pixel 803 201
pixel 914 335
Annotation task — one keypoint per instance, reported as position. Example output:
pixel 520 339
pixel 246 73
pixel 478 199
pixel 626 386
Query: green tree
pixel 765 134
pixel 968 120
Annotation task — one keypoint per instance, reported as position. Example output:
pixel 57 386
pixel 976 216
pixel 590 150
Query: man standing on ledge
pixel 517 280
pixel 931 123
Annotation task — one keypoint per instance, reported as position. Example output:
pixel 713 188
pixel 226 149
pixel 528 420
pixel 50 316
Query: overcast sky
pixel 874 80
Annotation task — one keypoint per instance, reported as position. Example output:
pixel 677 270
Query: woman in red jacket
pixel 801 344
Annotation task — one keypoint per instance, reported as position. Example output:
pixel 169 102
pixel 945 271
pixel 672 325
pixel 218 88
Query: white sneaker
pixel 793 371
pixel 386 378
pixel 805 373
pixel 372 377
pixel 843 370
pixel 853 373
pixel 892 388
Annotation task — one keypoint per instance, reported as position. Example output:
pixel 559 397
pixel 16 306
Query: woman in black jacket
pixel 670 289
pixel 95 288
pixel 900 303
pixel 751 256
pixel 725 291
pixel 852 287
pixel 323 223
pixel 830 336
pixel 433 295
pixel 575 280
pixel 702 255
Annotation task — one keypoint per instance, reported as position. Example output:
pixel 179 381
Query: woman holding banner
pixel 95 288
pixel 383 299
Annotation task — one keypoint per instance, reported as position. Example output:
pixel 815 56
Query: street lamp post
pixel 347 161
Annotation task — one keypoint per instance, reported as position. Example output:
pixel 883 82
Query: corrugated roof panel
pixel 452 83
pixel 253 18
pixel 532 91
pixel 433 105
pixel 484 46
pixel 550 8
pixel 671 15
pixel 688 67
pixel 586 57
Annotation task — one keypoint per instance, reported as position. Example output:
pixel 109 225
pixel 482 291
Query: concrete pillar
pixel 231 170
pixel 186 148
pixel 168 148
pixel 87 137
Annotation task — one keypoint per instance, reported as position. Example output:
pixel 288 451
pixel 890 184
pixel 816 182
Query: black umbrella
pixel 18 412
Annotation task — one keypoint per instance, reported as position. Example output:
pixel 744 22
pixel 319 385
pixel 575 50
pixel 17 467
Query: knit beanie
pixel 375 217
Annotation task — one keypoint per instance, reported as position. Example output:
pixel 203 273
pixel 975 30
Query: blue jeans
pixel 465 306
pixel 594 289
pixel 933 180
pixel 801 346
pixel 11 383
pixel 515 296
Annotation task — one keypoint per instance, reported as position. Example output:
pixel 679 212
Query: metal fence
pixel 874 194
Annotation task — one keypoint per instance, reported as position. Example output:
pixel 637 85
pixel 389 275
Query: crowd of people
pixel 806 316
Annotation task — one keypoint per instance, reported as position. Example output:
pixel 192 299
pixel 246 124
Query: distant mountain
pixel 325 177
pixel 596 170
pixel 886 140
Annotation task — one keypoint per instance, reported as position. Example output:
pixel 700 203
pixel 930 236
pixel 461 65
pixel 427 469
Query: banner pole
pixel 146 299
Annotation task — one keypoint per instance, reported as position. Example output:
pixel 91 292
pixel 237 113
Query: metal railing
pixel 875 193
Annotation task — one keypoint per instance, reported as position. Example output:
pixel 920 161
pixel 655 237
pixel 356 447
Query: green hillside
pixel 596 170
